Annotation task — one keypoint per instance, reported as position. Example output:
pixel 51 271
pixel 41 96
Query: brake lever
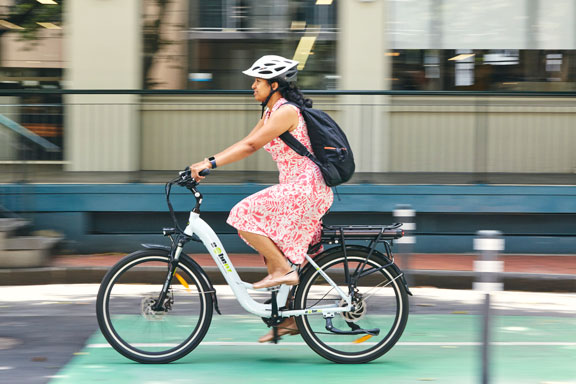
pixel 186 179
pixel 187 173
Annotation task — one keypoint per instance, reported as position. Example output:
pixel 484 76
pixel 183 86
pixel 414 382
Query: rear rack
pixel 334 234
pixel 375 234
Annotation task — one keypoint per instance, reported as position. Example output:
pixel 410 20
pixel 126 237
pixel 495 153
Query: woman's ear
pixel 274 87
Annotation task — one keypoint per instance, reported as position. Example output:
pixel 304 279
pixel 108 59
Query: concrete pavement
pixel 55 340
pixel 548 273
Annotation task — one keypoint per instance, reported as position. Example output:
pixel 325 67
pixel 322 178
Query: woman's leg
pixel 275 259
pixel 277 268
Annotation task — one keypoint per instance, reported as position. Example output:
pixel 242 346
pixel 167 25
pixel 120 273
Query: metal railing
pixel 30 133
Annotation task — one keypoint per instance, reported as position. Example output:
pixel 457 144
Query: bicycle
pixel 351 305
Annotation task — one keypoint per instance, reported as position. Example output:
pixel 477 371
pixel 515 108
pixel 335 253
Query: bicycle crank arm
pixel 357 331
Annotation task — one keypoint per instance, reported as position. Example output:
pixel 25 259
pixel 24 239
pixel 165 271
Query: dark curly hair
pixel 290 92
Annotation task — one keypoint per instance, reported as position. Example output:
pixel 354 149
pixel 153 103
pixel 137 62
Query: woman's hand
pixel 196 168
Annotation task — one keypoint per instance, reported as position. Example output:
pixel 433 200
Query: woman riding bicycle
pixel 280 222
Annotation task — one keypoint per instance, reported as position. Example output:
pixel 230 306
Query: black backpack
pixel 332 153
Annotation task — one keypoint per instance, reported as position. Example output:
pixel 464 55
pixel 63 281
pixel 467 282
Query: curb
pixel 513 281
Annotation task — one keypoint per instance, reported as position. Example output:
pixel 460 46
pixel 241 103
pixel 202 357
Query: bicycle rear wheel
pixel 125 308
pixel 380 300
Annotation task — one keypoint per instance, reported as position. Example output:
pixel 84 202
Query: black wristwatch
pixel 212 161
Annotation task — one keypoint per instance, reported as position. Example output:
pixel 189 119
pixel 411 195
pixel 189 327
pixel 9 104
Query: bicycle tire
pixel 133 328
pixel 383 305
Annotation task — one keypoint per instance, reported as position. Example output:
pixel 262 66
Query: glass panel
pixel 227 36
pixel 481 24
pixel 484 24
pixel 484 70
pixel 411 24
pixel 555 24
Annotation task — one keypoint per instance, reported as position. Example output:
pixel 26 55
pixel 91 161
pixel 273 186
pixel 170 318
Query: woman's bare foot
pixel 287 327
pixel 290 278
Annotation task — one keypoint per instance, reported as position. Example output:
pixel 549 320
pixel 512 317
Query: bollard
pixel 488 244
pixel 406 215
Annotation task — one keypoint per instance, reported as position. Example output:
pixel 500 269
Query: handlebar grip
pixel 204 172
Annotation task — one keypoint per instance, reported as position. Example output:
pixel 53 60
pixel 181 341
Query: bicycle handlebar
pixel 185 179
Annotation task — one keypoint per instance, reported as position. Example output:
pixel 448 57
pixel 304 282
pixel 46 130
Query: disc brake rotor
pixel 149 313
pixel 359 310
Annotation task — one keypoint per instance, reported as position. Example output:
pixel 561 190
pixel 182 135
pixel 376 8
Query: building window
pixel 226 36
pixel 484 70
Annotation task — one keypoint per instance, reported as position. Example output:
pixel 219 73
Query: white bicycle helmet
pixel 271 66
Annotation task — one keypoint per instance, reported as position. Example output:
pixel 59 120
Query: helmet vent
pixel 269 67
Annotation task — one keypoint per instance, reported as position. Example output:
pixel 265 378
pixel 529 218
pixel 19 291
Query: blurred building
pixel 410 44
pixel 370 45
pixel 373 46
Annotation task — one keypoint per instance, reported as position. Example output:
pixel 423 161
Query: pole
pixel 404 214
pixel 487 268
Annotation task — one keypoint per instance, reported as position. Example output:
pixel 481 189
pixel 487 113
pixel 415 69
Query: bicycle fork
pixel 174 258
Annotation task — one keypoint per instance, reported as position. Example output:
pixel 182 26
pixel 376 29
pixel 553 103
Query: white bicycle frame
pixel 200 228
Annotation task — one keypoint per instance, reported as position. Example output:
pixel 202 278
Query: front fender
pixel 157 247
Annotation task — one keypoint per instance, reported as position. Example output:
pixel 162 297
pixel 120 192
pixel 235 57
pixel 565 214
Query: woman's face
pixel 261 89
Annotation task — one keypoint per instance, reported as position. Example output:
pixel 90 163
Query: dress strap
pixel 277 106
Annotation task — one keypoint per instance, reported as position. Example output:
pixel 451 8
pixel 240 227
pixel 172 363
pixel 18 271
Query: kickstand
pixel 275 318
pixel 275 339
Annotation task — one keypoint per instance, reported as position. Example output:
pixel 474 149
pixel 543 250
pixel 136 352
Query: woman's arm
pixel 284 119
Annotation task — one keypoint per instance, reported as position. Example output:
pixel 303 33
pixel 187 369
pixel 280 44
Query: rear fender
pixel 334 250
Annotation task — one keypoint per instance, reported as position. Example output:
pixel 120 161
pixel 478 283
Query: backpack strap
pixel 299 148
pixel 295 144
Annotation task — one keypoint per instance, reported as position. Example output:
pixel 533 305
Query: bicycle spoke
pixel 129 317
pixel 379 285
pixel 379 304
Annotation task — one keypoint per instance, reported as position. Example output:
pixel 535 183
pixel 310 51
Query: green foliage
pixel 28 13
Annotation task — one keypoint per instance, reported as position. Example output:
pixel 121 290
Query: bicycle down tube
pixel 200 228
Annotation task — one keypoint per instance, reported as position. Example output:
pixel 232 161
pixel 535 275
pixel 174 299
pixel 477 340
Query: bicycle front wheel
pixel 126 302
pixel 380 300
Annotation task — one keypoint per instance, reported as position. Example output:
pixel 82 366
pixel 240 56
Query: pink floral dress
pixel 288 213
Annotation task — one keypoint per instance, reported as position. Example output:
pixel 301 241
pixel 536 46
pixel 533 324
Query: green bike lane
pixel 441 348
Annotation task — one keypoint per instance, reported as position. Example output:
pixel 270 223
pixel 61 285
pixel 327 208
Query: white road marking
pixel 404 343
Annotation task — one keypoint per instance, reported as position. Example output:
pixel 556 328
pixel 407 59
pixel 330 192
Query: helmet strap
pixel 265 102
